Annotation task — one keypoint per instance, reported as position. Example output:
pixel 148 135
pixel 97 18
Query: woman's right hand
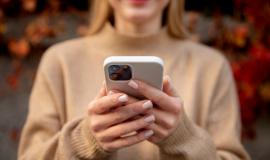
pixel 112 116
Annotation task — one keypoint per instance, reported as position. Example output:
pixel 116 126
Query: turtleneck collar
pixel 116 40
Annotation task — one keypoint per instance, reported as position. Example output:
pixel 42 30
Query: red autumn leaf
pixel 14 135
pixel 29 5
pixel 12 81
pixel 19 48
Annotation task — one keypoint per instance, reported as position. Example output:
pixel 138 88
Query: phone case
pixel 148 69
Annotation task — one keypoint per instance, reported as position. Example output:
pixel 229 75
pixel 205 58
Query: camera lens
pixel 115 68
pixel 120 72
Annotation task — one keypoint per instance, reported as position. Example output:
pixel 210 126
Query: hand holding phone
pixel 108 122
pixel 119 70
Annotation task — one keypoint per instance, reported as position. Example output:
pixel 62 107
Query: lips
pixel 138 2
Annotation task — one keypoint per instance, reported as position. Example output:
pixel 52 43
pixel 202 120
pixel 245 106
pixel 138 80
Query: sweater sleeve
pixel 220 139
pixel 45 134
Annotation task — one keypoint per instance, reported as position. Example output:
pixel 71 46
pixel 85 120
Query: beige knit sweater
pixel 71 73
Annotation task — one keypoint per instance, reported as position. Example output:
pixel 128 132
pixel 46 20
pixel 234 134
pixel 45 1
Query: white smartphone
pixel 119 70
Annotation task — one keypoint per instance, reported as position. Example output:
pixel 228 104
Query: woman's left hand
pixel 168 107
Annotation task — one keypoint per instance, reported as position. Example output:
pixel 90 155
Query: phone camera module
pixel 120 72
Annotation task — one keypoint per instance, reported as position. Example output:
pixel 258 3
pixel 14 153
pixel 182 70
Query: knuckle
pixel 108 147
pixel 159 97
pixel 90 108
pixel 127 111
pixel 103 137
pixel 177 109
pixel 120 113
pixel 170 123
pixel 95 127
pixel 115 132
pixel 102 107
pixel 124 113
pixel 118 118
pixel 135 108
pixel 114 98
pixel 177 106
pixel 98 137
pixel 164 134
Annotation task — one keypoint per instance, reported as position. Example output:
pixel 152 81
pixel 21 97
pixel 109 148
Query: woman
pixel 62 124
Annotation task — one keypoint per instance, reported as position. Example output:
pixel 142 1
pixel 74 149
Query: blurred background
pixel 238 28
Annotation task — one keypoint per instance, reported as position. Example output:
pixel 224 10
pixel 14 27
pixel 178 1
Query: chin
pixel 138 16
pixel 138 11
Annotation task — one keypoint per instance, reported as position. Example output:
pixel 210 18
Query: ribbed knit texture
pixel 71 73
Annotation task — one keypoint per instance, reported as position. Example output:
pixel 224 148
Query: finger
pixel 136 117
pixel 130 98
pixel 102 91
pixel 107 103
pixel 168 87
pixel 159 132
pixel 128 141
pixel 120 115
pixel 154 139
pixel 125 128
pixel 157 96
pixel 163 118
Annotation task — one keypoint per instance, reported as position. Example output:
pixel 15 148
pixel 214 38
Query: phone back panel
pixel 149 71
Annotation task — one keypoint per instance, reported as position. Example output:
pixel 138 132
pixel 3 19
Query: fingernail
pixel 123 98
pixel 133 84
pixel 149 119
pixel 111 92
pixel 148 105
pixel 148 133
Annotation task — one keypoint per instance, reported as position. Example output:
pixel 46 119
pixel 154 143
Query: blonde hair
pixel 101 12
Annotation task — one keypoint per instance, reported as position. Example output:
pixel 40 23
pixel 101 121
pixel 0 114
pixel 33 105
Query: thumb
pixel 168 87
pixel 102 91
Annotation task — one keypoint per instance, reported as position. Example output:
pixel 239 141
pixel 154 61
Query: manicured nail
pixel 148 105
pixel 111 92
pixel 123 98
pixel 148 133
pixel 149 119
pixel 133 84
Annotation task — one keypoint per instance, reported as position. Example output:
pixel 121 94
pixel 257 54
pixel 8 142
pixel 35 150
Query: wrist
pixel 85 144
pixel 184 131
